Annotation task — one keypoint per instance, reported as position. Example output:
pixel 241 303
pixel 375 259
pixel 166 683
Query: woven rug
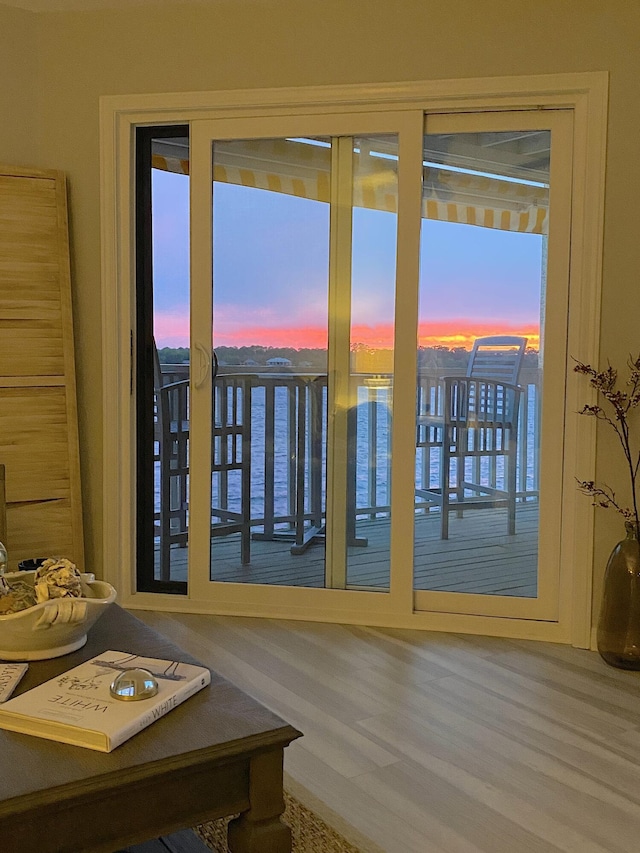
pixel 310 833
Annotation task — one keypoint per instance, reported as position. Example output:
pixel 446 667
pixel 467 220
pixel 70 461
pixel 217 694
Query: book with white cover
pixel 76 706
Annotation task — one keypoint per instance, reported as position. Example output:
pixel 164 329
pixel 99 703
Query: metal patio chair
pixel 231 451
pixel 471 423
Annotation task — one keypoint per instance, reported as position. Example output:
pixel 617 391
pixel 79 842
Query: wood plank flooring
pixel 502 564
pixel 440 743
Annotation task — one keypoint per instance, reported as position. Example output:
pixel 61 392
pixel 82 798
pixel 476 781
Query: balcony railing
pixel 287 447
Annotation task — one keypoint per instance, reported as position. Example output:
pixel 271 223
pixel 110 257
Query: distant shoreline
pixel 372 360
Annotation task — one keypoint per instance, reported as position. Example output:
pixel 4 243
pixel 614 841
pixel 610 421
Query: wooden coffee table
pixel 220 753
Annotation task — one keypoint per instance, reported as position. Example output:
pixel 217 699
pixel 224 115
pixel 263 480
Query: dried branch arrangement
pixel 617 410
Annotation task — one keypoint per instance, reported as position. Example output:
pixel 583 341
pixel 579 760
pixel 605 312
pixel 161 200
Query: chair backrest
pixel 171 396
pixel 498 357
pixel 158 381
pixel 162 416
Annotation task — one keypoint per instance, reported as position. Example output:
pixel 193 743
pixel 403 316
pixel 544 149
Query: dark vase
pixel 619 623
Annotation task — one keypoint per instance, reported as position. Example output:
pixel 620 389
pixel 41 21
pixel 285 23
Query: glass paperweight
pixel 133 684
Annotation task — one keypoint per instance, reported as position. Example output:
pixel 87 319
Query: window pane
pixel 483 270
pixel 270 291
pixel 373 285
pixel 170 250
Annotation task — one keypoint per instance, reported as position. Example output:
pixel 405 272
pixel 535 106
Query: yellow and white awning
pixel 304 170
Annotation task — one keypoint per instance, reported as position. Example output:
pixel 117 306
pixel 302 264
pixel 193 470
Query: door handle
pixel 204 365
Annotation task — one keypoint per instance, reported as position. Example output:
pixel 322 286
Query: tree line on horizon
pixel 435 356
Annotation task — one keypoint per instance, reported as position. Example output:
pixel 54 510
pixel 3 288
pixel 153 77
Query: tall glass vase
pixel 619 623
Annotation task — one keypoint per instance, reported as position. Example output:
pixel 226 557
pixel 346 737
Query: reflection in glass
pixel 270 296
pixel 373 285
pixel 275 384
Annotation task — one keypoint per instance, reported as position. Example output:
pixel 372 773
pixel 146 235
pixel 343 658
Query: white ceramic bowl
pixel 53 628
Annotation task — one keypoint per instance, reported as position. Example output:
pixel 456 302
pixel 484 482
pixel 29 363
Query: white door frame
pixel 585 94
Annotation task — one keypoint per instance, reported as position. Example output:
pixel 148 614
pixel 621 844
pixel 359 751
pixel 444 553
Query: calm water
pixel 373 469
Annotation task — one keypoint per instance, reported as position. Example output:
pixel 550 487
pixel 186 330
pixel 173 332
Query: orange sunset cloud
pixel 462 333
pixel 174 331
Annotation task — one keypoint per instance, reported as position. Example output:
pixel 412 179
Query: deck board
pixel 479 556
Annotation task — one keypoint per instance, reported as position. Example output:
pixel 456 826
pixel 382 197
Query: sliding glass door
pixel 369 410
pixel 293 304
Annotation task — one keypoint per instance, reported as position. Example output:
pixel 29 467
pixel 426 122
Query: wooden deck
pixel 478 557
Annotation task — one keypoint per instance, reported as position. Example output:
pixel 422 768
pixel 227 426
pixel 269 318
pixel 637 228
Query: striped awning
pixel 303 170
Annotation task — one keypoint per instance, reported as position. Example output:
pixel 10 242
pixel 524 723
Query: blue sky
pixel 271 262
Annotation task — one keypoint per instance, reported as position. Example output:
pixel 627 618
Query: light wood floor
pixel 440 743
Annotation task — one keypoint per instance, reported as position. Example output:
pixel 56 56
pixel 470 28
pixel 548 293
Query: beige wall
pixel 18 90
pixel 254 43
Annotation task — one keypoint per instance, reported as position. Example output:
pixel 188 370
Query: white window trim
pixel 584 93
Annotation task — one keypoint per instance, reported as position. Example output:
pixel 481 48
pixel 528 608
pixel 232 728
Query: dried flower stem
pixel 621 403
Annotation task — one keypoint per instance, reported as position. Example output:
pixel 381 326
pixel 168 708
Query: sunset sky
pixel 271 263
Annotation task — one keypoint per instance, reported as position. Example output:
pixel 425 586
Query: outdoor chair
pixel 231 451
pixel 171 460
pixel 471 424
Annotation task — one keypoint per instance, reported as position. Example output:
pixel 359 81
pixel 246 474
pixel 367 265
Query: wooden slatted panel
pixel 500 367
pixel 40 529
pixel 33 443
pixel 38 410
pixel 30 309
